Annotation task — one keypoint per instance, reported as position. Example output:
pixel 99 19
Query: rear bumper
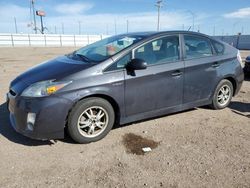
pixel 247 68
pixel 51 113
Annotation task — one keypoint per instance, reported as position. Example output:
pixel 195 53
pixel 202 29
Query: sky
pixel 213 17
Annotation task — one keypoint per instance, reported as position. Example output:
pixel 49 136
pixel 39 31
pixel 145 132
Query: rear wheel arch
pixel 229 78
pixel 233 81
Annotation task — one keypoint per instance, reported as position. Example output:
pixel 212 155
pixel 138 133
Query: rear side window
pixel 219 48
pixel 197 47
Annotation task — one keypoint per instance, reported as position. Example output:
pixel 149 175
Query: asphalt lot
pixel 196 148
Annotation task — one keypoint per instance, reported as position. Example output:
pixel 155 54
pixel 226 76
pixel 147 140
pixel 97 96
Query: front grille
pixel 13 93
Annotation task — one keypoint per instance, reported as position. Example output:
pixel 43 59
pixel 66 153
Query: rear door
pixel 161 84
pixel 201 67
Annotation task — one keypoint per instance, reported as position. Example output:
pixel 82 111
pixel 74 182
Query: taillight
pixel 240 59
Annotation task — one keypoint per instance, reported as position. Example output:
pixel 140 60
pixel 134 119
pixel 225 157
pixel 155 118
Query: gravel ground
pixel 196 148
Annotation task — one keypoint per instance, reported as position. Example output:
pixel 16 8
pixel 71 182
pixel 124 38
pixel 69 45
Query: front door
pixel 161 84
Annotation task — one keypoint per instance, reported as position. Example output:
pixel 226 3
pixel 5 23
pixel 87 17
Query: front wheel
pixel 222 95
pixel 90 120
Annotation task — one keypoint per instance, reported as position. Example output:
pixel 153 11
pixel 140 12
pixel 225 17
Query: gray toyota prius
pixel 122 79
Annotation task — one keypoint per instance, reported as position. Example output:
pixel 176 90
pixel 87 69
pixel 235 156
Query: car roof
pixel 155 33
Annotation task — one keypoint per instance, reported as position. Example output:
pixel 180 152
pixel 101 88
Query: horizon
pixel 120 16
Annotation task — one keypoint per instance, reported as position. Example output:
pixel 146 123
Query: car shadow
pixel 116 126
pixel 240 108
pixel 8 132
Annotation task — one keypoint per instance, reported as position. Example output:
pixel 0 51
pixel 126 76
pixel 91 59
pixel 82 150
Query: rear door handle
pixel 176 73
pixel 216 64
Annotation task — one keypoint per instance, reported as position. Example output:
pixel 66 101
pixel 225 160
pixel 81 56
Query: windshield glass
pixel 103 49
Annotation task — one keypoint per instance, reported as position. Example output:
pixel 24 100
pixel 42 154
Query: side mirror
pixel 136 64
pixel 247 59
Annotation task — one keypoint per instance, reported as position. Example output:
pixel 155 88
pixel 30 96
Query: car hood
pixel 54 69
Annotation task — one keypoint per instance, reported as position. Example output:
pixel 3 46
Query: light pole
pixel 79 22
pixel 62 28
pixel 159 6
pixel 235 23
pixel 193 15
pixel 15 24
pixel 127 26
pixel 41 13
pixel 107 29
pixel 115 27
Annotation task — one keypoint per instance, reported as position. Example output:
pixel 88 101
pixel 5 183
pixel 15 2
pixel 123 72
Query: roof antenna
pixel 189 28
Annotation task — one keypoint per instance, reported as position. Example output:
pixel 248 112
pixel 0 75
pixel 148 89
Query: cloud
pixel 8 11
pixel 240 13
pixel 96 23
pixel 73 8
pixel 105 23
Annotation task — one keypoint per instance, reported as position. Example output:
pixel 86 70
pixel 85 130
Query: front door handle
pixel 176 73
pixel 216 64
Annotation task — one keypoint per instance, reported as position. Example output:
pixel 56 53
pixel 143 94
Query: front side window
pixel 197 47
pixel 103 49
pixel 163 50
pixel 120 63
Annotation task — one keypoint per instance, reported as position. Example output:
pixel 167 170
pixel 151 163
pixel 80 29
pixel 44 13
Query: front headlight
pixel 44 88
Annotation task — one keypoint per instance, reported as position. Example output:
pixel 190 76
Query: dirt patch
pixel 134 143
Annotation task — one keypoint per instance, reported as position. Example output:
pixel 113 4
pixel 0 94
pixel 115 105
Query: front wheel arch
pixel 111 100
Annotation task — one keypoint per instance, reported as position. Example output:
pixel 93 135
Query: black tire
pixel 77 112
pixel 216 104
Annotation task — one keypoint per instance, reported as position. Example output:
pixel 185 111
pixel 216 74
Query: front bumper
pixel 51 113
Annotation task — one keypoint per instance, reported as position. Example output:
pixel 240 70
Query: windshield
pixel 103 49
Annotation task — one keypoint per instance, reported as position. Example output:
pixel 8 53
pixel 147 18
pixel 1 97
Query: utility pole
pixel 183 27
pixel 159 6
pixel 34 14
pixel 127 26
pixel 15 24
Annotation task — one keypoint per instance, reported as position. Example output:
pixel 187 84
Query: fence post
pixel 75 40
pixel 88 39
pixel 101 37
pixel 12 41
pixel 61 40
pixel 29 39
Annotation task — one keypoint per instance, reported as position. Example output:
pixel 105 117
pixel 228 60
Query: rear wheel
pixel 222 95
pixel 90 120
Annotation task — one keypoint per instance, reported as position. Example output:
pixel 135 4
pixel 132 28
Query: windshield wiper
pixel 83 57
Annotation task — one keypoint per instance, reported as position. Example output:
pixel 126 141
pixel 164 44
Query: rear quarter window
pixel 219 48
